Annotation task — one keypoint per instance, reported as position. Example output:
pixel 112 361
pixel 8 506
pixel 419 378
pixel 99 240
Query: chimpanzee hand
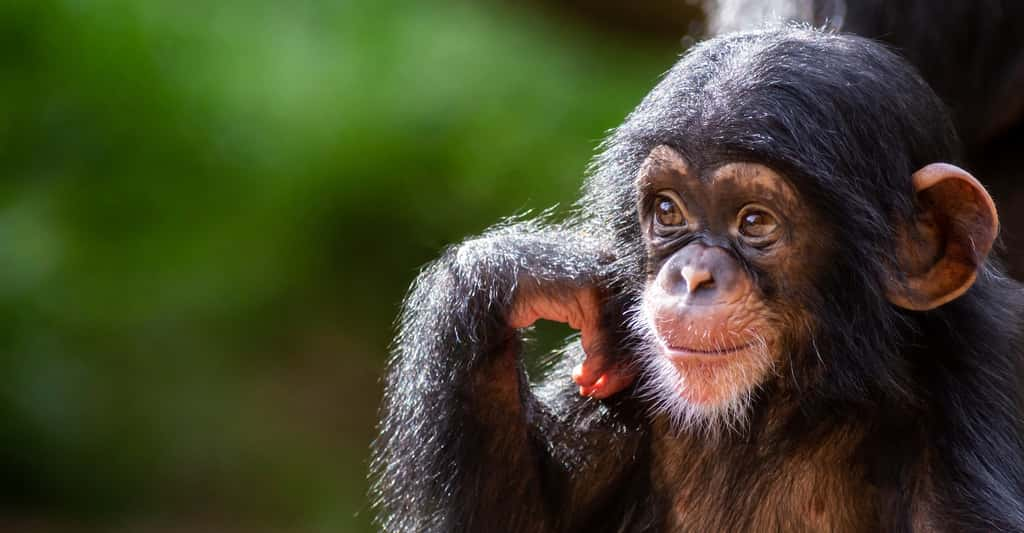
pixel 580 307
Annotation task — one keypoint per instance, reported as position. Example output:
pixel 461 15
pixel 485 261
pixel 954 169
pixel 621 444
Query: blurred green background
pixel 210 211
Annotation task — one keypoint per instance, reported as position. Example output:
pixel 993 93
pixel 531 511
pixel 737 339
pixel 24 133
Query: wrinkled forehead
pixel 665 168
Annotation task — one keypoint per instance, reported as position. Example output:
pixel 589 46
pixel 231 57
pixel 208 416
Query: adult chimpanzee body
pixel 788 323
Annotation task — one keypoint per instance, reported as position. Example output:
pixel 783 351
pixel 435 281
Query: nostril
pixel 697 278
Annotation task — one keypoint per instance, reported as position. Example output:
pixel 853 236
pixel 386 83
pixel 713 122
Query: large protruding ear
pixel 954 229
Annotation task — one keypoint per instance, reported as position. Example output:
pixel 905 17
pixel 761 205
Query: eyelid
pixel 755 207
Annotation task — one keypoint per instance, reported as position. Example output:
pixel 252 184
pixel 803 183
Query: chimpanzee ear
pixel 955 227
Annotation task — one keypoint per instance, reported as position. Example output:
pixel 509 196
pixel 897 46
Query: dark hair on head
pixel 847 121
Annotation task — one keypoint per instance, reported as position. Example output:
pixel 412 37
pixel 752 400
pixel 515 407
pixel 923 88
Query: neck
pixel 785 471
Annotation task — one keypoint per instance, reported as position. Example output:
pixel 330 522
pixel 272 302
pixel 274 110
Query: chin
pixel 702 391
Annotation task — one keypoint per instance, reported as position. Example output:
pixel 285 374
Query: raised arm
pixel 464 443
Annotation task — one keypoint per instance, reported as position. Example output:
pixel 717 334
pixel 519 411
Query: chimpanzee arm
pixel 464 444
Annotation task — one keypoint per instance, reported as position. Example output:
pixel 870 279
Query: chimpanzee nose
pixel 701 275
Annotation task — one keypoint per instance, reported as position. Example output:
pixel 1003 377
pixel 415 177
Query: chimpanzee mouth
pixel 677 351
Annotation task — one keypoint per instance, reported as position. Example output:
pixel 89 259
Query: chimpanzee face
pixel 729 253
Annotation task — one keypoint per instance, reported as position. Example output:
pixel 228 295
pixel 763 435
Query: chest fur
pixel 706 486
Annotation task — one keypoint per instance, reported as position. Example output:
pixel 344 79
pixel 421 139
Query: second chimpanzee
pixel 789 323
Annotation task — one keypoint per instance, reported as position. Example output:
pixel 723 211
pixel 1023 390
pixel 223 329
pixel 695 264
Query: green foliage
pixel 209 213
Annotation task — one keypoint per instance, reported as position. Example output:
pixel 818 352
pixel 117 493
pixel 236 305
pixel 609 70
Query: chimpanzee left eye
pixel 757 223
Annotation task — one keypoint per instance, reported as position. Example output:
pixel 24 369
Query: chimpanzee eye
pixel 667 212
pixel 757 223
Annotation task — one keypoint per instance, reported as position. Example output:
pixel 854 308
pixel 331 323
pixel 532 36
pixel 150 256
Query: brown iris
pixel 757 223
pixel 667 212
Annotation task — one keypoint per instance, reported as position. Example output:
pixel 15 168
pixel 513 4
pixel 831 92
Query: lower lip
pixel 679 352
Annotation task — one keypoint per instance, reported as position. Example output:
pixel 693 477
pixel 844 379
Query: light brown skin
pixel 580 308
pixel 706 313
pixel 939 258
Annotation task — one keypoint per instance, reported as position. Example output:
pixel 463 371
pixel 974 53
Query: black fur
pixel 970 51
pixel 467 445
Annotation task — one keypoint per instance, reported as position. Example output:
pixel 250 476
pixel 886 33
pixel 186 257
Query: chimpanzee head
pixel 790 215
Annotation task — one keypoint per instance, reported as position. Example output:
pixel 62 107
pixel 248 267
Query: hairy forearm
pixel 455 433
